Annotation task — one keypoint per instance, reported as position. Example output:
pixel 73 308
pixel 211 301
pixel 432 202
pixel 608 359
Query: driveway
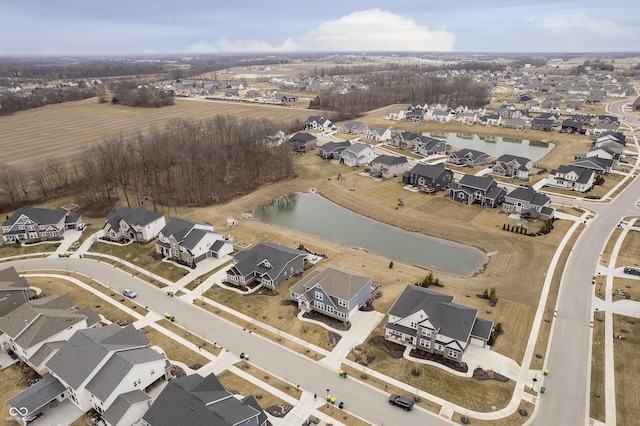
pixel 58 414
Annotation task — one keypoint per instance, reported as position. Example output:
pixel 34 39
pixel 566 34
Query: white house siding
pixel 142 372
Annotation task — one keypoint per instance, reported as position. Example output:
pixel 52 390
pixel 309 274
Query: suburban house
pixel 529 203
pixel 571 177
pixel 32 224
pixel 106 369
pixel 302 143
pixel 415 116
pixel 442 116
pixel 468 157
pixel 378 134
pixel 425 145
pixel 595 163
pixel 404 140
pixel 133 224
pixel 37 328
pixel 319 124
pixel 428 178
pixel 513 166
pixel 333 291
pixel 600 152
pixel 388 166
pixel 268 264
pixel 604 127
pixel 14 291
pixel 478 189
pixel 545 124
pixel 572 126
pixel 429 321
pixel 332 150
pixel 418 106
pixel 615 141
pixel 353 127
pixel 492 119
pixel 395 114
pixel 198 401
pixel 514 123
pixel 187 241
pixel 467 118
pixel 358 154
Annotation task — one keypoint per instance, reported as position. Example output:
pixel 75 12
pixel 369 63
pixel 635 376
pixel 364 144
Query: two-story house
pixel 302 142
pixel 14 291
pixel 528 202
pixel 469 157
pixel 428 178
pixel 333 149
pixel 429 321
pixel 319 124
pixel 188 241
pixel 513 166
pixel 571 177
pixel 353 127
pixel 395 115
pixel 105 368
pixel 377 134
pixel 333 291
pixel 478 189
pixel 37 328
pixel 358 154
pixel 32 224
pixel 426 146
pixel 196 400
pixel 133 224
pixel 268 264
pixel 387 166
pixel 404 140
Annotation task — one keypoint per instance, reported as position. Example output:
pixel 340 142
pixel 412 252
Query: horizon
pixel 282 26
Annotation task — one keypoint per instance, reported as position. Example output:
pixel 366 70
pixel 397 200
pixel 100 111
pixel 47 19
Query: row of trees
pixel 131 93
pixel 402 86
pixel 13 102
pixel 187 163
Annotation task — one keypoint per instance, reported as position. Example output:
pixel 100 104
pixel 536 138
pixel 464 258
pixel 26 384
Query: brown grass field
pixel 627 366
pixel 597 408
pixel 64 129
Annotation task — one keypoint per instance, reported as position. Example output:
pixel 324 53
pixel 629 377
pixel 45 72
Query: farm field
pixel 65 129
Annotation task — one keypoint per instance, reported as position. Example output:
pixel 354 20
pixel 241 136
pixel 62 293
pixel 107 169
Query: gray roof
pixel 478 182
pixel 87 348
pixel 10 280
pixel 332 146
pixel 45 350
pixel 482 328
pixel 357 147
pixel 14 291
pixel 121 405
pixel 507 158
pixel 199 401
pixel 180 228
pixel 431 171
pixel 38 394
pixel 38 215
pixel 302 137
pixel 136 216
pixel 593 163
pixel 583 174
pixel 530 195
pixel 278 256
pixel 217 245
pixel 116 369
pixel 468 153
pixel 38 320
pixel 336 282
pixel 448 318
pixel 389 160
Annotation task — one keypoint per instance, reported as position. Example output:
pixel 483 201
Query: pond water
pixel 315 215
pixel 495 146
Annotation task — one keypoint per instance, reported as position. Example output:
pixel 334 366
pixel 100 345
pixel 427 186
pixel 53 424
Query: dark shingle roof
pixel 389 160
pixel 278 257
pixel 431 171
pixel 39 216
pixel 121 405
pixel 478 182
pixel 38 394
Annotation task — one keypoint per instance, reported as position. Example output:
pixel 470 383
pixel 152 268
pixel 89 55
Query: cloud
pixel 368 30
pixel 576 23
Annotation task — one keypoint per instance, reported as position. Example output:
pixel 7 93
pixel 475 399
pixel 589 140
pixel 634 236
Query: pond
pixel 315 215
pixel 495 146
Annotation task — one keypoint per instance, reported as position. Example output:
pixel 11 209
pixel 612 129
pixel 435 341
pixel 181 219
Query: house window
pixel 426 332
pixel 294 295
pixel 439 347
pixel 413 325
pixel 452 353
pixel 342 302
pixel 318 295
pixel 318 305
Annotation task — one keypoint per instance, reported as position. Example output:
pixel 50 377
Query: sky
pixel 66 27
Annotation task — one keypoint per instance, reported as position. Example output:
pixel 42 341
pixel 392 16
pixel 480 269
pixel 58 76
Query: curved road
pixel 359 398
pixel 569 363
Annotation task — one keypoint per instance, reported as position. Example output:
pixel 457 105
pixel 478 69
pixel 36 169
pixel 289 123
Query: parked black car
pixel 401 401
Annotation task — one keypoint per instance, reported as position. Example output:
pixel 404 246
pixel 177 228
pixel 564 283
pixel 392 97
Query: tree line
pixel 13 102
pixel 186 163
pixel 402 86
pixel 130 93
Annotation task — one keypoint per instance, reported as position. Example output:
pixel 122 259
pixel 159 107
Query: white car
pixel 129 293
